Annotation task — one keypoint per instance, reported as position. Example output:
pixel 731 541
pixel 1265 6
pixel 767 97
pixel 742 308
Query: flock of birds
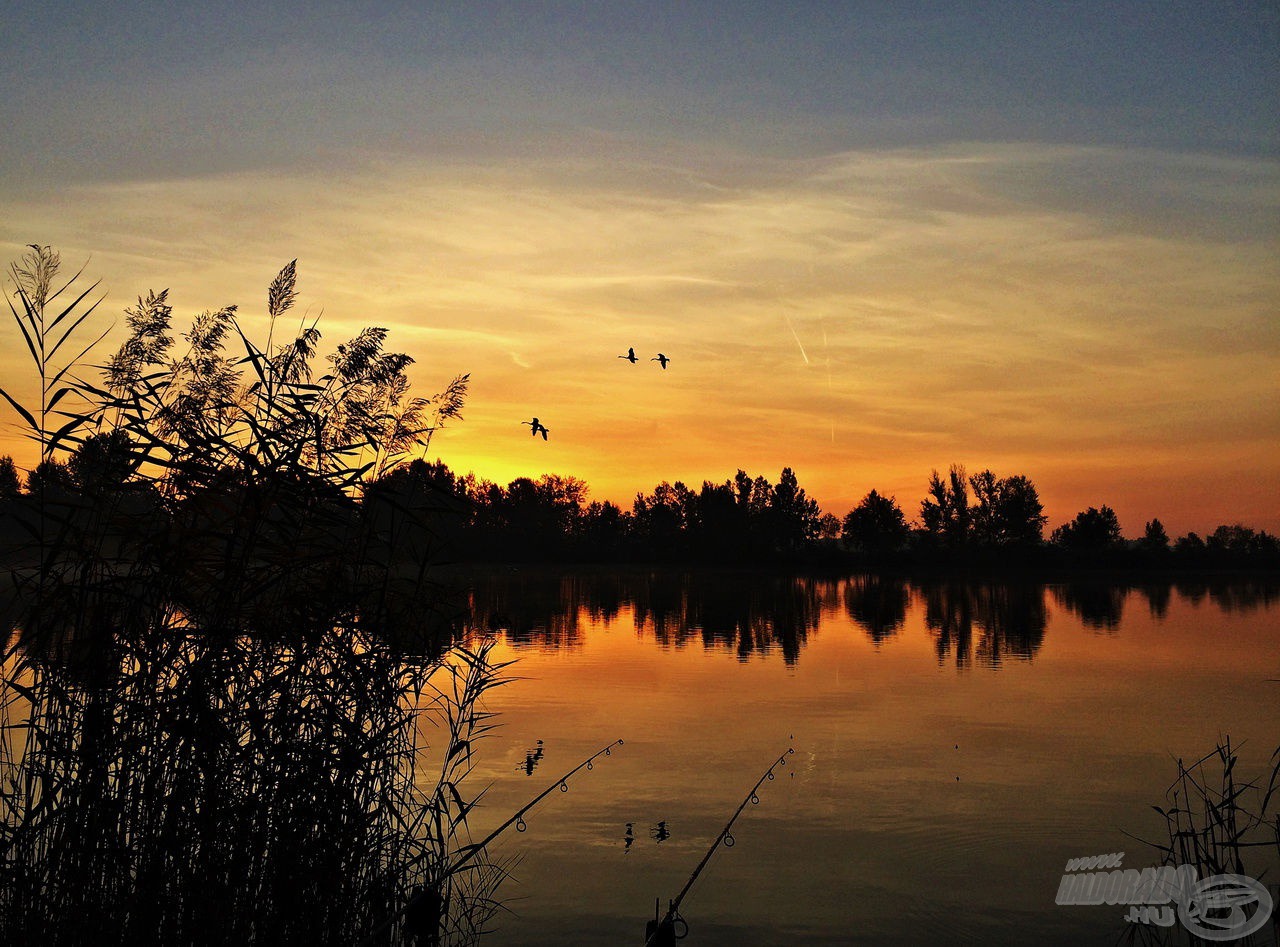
pixel 536 427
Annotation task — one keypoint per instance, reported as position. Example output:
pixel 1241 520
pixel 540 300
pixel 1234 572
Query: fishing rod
pixel 666 926
pixel 518 818
pixel 428 893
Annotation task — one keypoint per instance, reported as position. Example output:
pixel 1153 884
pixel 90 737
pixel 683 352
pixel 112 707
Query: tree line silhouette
pixel 424 507
pixel 976 520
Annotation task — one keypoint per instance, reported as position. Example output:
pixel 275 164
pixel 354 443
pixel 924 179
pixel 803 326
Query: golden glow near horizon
pixel 863 317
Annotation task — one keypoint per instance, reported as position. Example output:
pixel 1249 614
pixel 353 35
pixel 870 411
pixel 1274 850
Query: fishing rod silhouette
pixel 426 908
pixel 661 931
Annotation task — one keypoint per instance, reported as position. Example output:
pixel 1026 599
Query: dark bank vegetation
pixel 978 521
pixel 218 683
pixel 221 475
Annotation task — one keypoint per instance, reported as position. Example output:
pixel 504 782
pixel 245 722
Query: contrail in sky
pixel 826 349
pixel 796 337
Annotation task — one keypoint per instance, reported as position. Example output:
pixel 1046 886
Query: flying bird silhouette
pixel 630 356
pixel 662 360
pixel 535 426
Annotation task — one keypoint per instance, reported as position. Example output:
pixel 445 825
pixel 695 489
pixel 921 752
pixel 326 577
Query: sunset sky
pixel 874 238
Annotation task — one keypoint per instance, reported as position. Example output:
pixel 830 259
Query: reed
pixel 1220 824
pixel 1217 818
pixel 225 687
pixel 168 787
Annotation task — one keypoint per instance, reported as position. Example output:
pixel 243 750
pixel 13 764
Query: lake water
pixel 954 745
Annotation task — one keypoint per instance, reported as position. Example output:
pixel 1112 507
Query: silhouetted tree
pixel 945 513
pixel 50 476
pixel 103 463
pixel 1154 538
pixel 829 527
pixel 1092 530
pixel 1239 545
pixel 1020 517
pixel 1189 548
pixel 793 516
pixel 1007 511
pixel 723 527
pixel 986 496
pixel 1191 543
pixel 1237 539
pixel 661 517
pixel 604 528
pixel 539 516
pixel 415 509
pixel 876 525
pixel 10 484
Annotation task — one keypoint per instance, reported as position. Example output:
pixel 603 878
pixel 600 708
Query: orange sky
pixel 863 318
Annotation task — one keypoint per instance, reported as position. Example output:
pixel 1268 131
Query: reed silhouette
pixel 1220 823
pixel 220 676
pixel 168 787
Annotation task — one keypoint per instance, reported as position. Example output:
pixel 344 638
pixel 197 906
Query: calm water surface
pixel 955 744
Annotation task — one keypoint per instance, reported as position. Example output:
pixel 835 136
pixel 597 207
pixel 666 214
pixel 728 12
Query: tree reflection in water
pixel 754 614
pixel 757 614
pixel 1010 621
pixel 749 614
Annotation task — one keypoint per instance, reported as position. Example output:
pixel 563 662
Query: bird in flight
pixel 536 426
pixel 630 356
pixel 662 360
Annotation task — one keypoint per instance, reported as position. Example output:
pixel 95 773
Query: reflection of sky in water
pixel 1059 710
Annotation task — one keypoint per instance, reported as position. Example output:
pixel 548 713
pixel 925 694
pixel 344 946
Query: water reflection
pixel 1099 605
pixel 984 623
pixel 955 794
pixel 531 759
pixel 183 782
pixel 748 614
pixel 1010 621
pixel 878 604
